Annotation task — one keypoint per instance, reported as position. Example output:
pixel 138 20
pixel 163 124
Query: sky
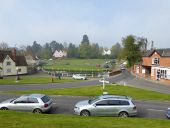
pixel 105 22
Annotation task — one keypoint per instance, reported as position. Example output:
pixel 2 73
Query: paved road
pixel 65 105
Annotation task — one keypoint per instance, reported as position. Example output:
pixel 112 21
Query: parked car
pixel 36 103
pixel 79 77
pixel 168 113
pixel 106 105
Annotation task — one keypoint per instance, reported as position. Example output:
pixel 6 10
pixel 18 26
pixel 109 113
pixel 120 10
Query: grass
pixel 76 65
pixel 135 93
pixel 34 80
pixel 10 119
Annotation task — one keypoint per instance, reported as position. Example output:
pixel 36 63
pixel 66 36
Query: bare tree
pixel 4 46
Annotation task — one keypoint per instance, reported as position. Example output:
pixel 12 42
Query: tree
pixel 46 51
pixel 36 48
pixel 95 51
pixel 4 46
pixel 72 51
pixel 85 39
pixel 115 50
pixel 84 48
pixel 132 49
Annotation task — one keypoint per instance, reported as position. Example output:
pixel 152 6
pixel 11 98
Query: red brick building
pixel 156 65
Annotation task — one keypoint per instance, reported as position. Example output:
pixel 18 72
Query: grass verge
pixel 135 93
pixel 34 80
pixel 10 119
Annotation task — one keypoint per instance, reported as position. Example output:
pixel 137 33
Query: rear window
pixel 45 98
pixel 124 102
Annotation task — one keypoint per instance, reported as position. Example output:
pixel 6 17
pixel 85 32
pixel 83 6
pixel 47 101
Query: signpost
pixel 103 81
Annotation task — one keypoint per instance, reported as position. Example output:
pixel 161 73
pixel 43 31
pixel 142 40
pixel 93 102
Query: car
pixel 106 105
pixel 36 103
pixel 79 77
pixel 168 113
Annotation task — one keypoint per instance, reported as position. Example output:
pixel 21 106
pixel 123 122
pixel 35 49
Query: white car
pixel 79 77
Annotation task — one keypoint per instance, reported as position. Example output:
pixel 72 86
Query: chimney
pixel 14 54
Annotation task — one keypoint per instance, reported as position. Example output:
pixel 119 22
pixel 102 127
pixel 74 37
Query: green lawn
pixel 34 80
pixel 135 93
pixel 10 119
pixel 76 65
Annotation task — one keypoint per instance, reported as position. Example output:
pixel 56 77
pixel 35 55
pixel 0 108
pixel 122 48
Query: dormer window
pixel 155 61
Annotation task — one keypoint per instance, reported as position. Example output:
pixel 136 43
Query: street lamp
pixel 17 77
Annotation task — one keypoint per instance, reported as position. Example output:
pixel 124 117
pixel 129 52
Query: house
pixel 31 60
pixel 60 54
pixel 11 64
pixel 155 65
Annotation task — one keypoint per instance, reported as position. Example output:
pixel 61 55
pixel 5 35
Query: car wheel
pixel 4 108
pixel 123 114
pixel 85 113
pixel 37 110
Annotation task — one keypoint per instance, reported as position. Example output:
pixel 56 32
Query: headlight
pixel 76 108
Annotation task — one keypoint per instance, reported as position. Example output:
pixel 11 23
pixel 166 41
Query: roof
pixel 34 95
pixel 114 97
pixel 19 60
pixel 161 52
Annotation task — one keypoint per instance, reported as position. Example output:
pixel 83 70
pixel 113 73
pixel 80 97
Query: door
pixel 100 108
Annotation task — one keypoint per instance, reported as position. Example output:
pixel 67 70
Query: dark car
pixel 168 113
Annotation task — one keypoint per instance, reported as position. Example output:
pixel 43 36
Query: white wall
pixel 10 67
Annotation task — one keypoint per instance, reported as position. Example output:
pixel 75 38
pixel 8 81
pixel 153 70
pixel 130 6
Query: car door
pixel 32 103
pixel 20 104
pixel 100 108
pixel 114 107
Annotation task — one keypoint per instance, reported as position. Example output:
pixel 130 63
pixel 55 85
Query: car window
pixel 114 102
pixel 102 103
pixel 21 100
pixel 33 100
pixel 122 102
pixel 45 98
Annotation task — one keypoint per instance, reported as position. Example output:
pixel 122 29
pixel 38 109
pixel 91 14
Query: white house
pixel 60 54
pixel 11 64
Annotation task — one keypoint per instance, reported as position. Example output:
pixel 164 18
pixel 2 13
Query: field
pixel 84 65
pixel 135 93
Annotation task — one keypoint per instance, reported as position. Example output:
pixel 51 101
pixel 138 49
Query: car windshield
pixel 91 101
pixel 12 100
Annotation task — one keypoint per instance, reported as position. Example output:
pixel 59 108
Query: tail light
pixel 134 107
pixel 45 105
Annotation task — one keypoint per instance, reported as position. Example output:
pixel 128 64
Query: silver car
pixel 36 103
pixel 106 105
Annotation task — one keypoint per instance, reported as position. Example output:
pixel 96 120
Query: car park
pixel 79 77
pixel 36 103
pixel 106 105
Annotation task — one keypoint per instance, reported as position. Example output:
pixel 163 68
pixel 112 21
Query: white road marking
pixel 156 110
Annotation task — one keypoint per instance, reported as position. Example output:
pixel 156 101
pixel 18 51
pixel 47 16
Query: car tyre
pixel 123 114
pixel 85 113
pixel 4 108
pixel 37 110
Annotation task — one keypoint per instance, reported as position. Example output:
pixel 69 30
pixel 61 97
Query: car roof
pixel 34 95
pixel 114 97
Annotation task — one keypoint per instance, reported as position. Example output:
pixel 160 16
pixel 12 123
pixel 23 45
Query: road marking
pixel 156 110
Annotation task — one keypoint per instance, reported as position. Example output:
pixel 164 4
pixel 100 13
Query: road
pixel 65 104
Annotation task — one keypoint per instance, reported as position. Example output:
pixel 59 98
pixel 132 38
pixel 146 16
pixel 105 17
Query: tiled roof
pixel 161 52
pixel 19 60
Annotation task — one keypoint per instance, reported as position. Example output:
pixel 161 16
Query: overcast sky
pixel 104 21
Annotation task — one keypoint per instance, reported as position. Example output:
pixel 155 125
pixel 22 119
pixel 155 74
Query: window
pixel 155 61
pixel 114 102
pixel 8 63
pixel 32 100
pixel 21 100
pixel 45 99
pixel 102 103
pixel 122 102
pixel 8 70
pixel 19 70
